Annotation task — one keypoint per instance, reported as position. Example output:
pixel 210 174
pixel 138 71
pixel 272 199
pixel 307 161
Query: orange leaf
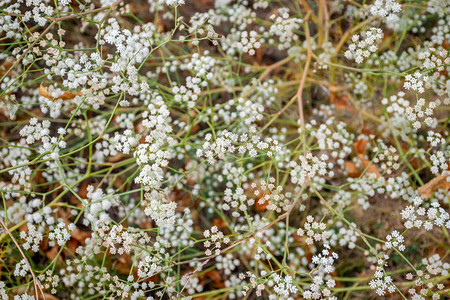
pixel 214 276
pixel 48 297
pixel 360 146
pixel 261 206
pixel 368 166
pixel 80 235
pixel 52 253
pixel 341 102
pixel 65 96
pixel 439 182
pixel 219 223
pixel 351 169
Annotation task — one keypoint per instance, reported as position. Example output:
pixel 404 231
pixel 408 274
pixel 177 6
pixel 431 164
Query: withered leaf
pixel 43 91
pixel 368 166
pixel 439 182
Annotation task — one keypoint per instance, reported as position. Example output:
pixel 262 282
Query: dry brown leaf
pixel 65 96
pixel 71 247
pixel 360 146
pixel 116 158
pixel 368 166
pixel 123 264
pixel 341 102
pixel 219 223
pixel 351 169
pixel 216 278
pixel 6 66
pixel 80 235
pixel 48 297
pixel 439 182
pixel 52 253
pixel 261 206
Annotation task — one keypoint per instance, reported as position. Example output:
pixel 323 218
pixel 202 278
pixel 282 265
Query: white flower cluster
pixel 148 266
pixel 435 139
pixel 382 282
pixel 117 236
pixel 284 27
pixel 125 142
pixel 32 238
pixel 395 240
pixel 174 2
pixel 202 67
pixel 159 208
pixel 97 205
pixel 418 216
pixel 245 109
pixel 344 237
pixel 435 265
pixel 236 200
pixel 132 47
pixel 248 42
pixel 439 161
pixel 178 234
pixel 228 143
pixel 309 167
pixel 283 286
pixel 364 45
pixel 253 282
pixel 215 240
pixel 315 291
pixel 386 9
pixel 337 140
pixel 315 231
pixel 21 268
pixel 387 157
pixel 272 195
pixel 423 284
pixel 152 154
pixel 325 260
pixel 3 294
pixel 61 234
pixel 227 263
pixel 402 110
pixel 415 82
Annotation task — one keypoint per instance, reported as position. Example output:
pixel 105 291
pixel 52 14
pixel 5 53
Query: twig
pixel 299 93
pixel 274 66
pixel 37 285
pixel 305 73
pixel 87 12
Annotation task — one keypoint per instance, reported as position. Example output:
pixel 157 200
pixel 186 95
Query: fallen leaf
pixel 71 247
pixel 52 253
pixel 368 166
pixel 80 235
pixel 7 64
pixel 214 276
pixel 123 264
pixel 48 297
pixel 261 205
pixel 219 223
pixel 351 169
pixel 439 182
pixel 341 102
pixel 360 146
pixel 65 96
